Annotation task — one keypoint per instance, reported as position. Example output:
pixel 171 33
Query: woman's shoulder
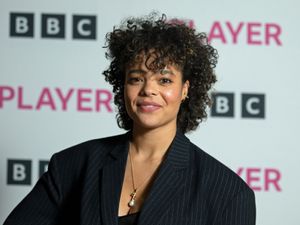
pixel 91 152
pixel 99 145
pixel 214 173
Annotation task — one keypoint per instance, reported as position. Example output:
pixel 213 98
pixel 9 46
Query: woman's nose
pixel 149 88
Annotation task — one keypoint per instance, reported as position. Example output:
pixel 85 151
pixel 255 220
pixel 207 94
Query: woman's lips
pixel 148 106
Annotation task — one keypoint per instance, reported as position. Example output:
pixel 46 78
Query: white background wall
pixel 262 147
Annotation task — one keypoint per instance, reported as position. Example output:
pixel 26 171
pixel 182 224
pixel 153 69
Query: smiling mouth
pixel 148 107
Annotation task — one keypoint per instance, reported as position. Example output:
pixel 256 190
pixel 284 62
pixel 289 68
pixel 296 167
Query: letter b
pixel 53 26
pixel 21 25
pixel 19 172
pixel 223 105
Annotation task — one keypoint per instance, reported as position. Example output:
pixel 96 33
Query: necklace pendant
pixel 131 203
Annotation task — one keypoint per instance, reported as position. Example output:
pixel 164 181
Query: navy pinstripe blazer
pixel 83 185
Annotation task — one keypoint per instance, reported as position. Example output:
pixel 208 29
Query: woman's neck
pixel 152 144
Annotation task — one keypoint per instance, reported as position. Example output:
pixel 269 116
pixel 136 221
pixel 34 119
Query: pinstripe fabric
pixel 83 186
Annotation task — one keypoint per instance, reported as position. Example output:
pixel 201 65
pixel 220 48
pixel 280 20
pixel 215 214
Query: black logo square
pixel 18 172
pixel 223 105
pixel 84 27
pixel 253 105
pixel 21 24
pixel 53 26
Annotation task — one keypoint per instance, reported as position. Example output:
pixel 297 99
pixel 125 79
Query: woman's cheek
pixel 171 95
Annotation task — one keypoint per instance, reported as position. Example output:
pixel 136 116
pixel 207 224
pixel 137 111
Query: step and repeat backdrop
pixel 52 93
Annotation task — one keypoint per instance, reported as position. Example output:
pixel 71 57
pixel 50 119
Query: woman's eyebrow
pixel 166 71
pixel 142 72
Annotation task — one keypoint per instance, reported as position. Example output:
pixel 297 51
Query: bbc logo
pixel 252 105
pixel 53 26
pixel 19 172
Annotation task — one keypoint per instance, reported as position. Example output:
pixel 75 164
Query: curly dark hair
pixel 170 43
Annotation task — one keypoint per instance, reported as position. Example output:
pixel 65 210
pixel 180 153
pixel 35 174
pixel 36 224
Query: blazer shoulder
pixel 215 173
pixel 71 166
pixel 91 153
pixel 99 146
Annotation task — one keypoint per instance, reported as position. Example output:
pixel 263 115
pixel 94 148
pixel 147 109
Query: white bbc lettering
pixel 21 25
pixel 53 26
pixel 249 105
pixel 19 172
pixel 80 27
pixel 222 104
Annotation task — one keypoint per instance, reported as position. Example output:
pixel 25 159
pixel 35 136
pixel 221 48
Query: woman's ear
pixel 185 89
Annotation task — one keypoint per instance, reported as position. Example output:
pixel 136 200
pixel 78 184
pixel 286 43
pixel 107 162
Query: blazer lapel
pixel 169 182
pixel 111 178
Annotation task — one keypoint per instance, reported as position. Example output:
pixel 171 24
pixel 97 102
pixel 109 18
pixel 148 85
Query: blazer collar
pixel 177 155
pixel 166 188
pixel 111 180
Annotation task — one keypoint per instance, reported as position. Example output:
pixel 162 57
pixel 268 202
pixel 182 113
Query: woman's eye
pixel 165 81
pixel 134 80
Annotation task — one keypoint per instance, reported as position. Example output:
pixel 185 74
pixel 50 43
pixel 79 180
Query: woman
pixel 161 74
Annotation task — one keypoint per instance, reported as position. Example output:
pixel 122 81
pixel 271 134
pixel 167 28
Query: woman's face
pixel 153 99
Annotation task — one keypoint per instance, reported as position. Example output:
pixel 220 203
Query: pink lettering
pixel 239 171
pixel 6 93
pixel 234 33
pixel 272 176
pixel 251 177
pixel 81 99
pixel 45 99
pixel 252 32
pixel 64 99
pixel 272 32
pixel 105 101
pixel 216 32
pixel 86 99
pixel 255 33
pixel 21 105
pixel 261 179
pixel 189 23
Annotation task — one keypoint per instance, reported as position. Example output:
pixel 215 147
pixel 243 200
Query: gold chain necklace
pixel 131 203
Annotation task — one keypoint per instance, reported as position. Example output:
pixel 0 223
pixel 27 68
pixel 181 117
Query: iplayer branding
pixel 250 33
pixel 57 99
